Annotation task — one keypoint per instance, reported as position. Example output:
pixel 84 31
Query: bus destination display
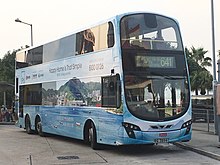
pixel 155 62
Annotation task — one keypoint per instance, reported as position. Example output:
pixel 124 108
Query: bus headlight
pixel 187 125
pixel 130 128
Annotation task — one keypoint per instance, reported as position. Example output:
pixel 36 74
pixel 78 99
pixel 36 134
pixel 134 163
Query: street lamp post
pixel 18 20
pixel 216 121
pixel 217 116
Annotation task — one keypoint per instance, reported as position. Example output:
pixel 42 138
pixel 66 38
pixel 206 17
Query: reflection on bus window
pixel 110 35
pixel 88 41
pixel 29 57
pixel 85 41
pixel 95 39
pixel 157 99
pixel 136 33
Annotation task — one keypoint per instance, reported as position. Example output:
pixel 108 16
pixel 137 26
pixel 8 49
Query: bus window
pixel 110 35
pixel 162 34
pixel 21 60
pixel 88 41
pixel 29 95
pixel 59 49
pixel 85 41
pixel 33 94
pixel 35 56
pixel 95 39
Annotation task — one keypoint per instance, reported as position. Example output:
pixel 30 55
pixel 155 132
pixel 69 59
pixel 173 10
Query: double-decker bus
pixel 122 81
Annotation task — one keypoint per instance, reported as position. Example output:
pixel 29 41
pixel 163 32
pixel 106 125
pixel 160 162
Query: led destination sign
pixel 155 62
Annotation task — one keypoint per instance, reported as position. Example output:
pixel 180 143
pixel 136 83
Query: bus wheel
pixel 93 137
pixel 28 125
pixel 39 127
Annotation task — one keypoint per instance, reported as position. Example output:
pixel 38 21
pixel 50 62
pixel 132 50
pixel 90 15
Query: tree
pixel 7 74
pixel 205 81
pixel 201 79
pixel 7 67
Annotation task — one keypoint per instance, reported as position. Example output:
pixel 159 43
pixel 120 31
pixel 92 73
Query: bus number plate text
pixel 162 140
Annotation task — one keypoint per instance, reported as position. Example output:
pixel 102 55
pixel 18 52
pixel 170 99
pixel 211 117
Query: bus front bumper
pixel 140 137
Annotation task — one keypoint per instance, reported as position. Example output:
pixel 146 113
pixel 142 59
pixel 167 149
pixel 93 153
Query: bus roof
pixel 115 17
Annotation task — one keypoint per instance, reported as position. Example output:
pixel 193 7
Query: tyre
pixel 93 137
pixel 39 127
pixel 28 125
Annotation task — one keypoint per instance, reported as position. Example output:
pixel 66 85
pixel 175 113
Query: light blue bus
pixel 122 81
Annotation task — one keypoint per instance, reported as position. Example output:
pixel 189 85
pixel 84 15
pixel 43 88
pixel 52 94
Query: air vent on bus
pixel 160 126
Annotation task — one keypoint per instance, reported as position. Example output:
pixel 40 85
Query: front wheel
pixel 93 137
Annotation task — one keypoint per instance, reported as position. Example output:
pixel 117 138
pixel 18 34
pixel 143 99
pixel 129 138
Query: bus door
pixel 111 102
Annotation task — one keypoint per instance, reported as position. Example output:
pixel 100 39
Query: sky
pixel 52 19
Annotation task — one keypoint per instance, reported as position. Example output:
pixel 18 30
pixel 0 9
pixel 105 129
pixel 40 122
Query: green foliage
pixel 201 78
pixel 7 68
pixel 7 74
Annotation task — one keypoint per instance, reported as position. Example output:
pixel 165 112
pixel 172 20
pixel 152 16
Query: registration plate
pixel 161 140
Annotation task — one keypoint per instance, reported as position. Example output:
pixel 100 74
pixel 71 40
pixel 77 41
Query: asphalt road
pixel 19 148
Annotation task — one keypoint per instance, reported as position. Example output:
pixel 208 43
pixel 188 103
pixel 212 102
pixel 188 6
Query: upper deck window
pixel 95 39
pixel 149 31
pixel 29 57
pixel 90 40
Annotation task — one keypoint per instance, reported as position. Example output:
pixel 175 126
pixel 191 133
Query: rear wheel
pixel 28 125
pixel 39 127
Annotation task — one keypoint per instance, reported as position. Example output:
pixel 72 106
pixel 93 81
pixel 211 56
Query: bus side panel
pixel 70 121
pixel 109 128
pixel 59 120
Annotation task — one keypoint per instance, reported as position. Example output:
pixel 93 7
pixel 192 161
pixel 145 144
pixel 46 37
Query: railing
pixel 203 119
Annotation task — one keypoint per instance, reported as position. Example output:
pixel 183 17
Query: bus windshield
pixel 154 66
pixel 149 31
